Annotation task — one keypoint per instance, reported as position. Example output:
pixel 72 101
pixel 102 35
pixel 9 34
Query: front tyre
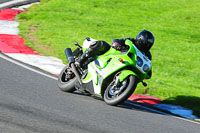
pixel 66 80
pixel 118 93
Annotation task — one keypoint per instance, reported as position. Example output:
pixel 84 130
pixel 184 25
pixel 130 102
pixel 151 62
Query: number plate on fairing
pixel 143 63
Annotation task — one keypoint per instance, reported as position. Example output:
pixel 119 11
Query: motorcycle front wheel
pixel 116 94
pixel 66 80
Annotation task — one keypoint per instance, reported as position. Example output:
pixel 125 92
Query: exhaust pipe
pixel 71 61
pixel 69 55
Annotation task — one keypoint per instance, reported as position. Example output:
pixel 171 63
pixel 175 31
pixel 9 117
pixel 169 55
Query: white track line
pixel 29 68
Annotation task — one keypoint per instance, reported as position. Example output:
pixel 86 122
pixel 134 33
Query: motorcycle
pixel 113 76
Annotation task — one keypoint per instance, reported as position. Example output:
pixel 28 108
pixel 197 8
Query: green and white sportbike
pixel 113 76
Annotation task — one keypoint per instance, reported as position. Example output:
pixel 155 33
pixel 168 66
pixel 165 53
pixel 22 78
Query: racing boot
pixel 96 48
pixel 83 61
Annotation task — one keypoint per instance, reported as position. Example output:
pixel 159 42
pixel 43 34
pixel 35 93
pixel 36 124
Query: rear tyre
pixel 115 95
pixel 66 80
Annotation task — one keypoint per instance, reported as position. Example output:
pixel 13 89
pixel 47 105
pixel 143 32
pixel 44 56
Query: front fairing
pixel 143 64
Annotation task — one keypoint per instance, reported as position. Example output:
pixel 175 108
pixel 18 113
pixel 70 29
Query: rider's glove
pixel 116 46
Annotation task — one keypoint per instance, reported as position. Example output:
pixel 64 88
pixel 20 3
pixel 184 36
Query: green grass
pixel 55 24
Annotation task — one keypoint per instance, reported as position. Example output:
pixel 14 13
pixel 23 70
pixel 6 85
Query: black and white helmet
pixel 144 40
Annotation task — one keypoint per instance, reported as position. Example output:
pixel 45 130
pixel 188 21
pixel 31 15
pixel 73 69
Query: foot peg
pixel 144 84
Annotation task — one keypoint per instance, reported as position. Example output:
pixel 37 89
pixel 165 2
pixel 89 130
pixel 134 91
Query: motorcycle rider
pixel 144 41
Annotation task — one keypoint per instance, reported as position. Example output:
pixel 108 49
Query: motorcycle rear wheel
pixel 66 82
pixel 115 95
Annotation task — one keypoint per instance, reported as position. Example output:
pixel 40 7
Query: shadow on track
pixel 165 108
pixel 127 104
pixel 190 102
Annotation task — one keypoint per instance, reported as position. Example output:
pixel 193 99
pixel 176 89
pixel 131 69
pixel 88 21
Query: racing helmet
pixel 144 40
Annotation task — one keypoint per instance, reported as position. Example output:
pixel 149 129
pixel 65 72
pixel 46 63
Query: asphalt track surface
pixel 31 102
